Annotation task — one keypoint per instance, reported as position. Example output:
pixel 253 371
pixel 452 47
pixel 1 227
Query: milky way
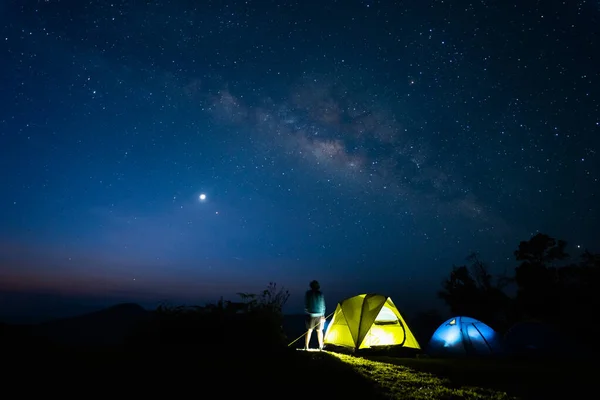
pixel 378 143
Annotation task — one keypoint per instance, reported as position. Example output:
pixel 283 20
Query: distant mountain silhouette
pixel 34 307
pixel 106 327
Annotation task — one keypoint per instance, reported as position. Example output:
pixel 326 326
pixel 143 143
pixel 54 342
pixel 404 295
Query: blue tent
pixel 463 337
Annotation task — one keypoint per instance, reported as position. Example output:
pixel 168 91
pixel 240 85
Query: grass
pixel 203 365
pixel 528 380
pixel 175 371
pixel 400 382
pixel 285 375
pixel 206 371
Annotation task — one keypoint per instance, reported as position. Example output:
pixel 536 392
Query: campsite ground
pixel 200 364
pixel 177 371
pixel 550 378
pixel 232 375
pixel 395 381
pixel 174 372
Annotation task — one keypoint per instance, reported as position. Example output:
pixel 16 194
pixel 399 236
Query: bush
pixel 253 324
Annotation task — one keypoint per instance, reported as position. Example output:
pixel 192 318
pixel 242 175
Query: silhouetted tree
pixel 549 288
pixel 424 323
pixel 482 277
pixel 255 322
pixel 579 296
pixel 537 277
pixel 590 260
pixel 273 298
pixel 567 295
pixel 459 290
pixel 473 291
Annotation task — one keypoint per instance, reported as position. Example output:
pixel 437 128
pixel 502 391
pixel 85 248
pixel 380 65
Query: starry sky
pixel 366 144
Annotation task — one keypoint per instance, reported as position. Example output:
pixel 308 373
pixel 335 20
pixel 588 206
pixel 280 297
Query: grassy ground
pixel 211 372
pixel 206 367
pixel 528 380
pixel 225 376
pixel 401 382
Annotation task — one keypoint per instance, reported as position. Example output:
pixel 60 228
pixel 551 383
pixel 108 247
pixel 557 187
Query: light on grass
pixel 401 382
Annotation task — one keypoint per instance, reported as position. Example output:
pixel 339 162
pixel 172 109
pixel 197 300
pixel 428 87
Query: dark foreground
pixel 178 372
pixel 527 379
pixel 280 374
pixel 230 355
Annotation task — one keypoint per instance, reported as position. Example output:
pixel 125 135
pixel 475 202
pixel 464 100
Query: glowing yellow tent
pixel 368 320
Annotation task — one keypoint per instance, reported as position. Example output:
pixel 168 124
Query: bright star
pixel 202 197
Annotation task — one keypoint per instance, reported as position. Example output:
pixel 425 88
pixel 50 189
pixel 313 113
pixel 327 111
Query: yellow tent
pixel 368 320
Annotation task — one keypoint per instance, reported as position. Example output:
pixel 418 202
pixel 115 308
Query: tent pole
pixel 462 338
pixel 362 306
pixel 483 337
pixel 301 336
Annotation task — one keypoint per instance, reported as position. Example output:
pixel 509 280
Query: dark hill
pixel 106 327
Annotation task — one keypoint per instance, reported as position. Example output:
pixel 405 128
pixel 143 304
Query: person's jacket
pixel 314 303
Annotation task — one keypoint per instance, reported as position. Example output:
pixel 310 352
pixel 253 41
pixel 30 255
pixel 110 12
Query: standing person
pixel 314 307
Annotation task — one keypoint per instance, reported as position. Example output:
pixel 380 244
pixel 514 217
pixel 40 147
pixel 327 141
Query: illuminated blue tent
pixel 462 337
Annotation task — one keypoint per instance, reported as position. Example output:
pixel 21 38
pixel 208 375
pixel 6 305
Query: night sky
pixel 366 144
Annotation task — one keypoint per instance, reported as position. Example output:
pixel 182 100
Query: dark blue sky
pixel 370 145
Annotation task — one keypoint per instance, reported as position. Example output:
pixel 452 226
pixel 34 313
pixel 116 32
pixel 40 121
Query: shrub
pixel 255 323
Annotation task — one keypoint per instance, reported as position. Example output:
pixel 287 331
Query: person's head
pixel 314 285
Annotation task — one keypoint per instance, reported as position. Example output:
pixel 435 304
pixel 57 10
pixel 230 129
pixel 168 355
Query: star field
pixel 367 144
